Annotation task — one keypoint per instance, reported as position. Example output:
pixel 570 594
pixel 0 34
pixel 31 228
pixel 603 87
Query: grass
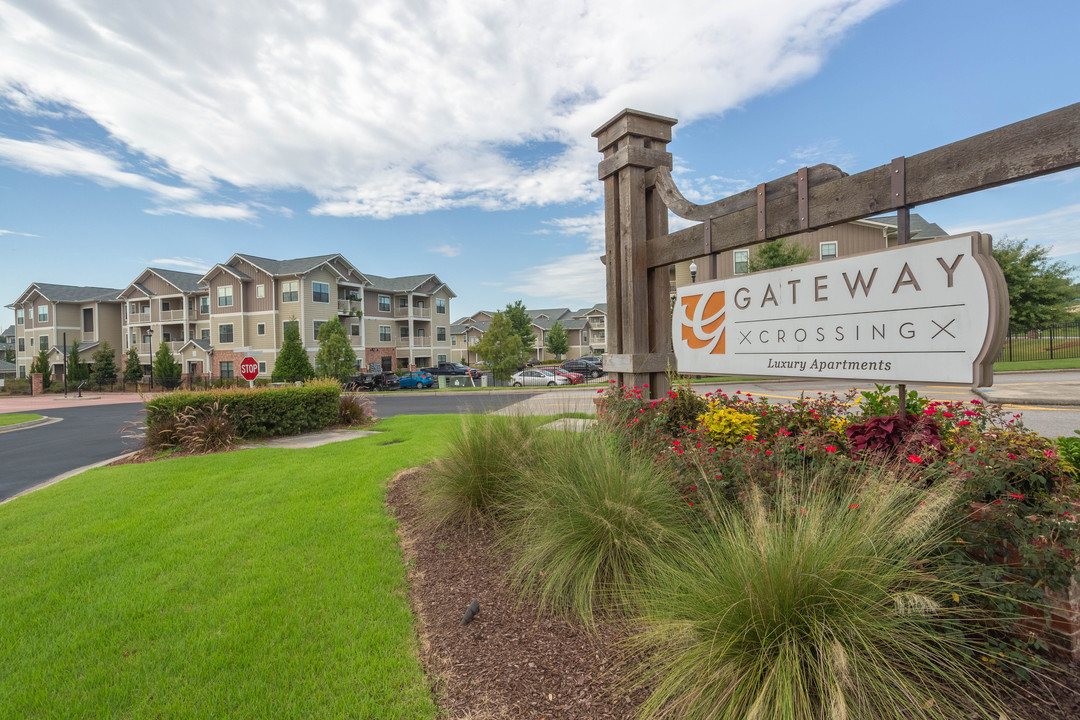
pixel 1056 364
pixel 16 418
pixel 258 583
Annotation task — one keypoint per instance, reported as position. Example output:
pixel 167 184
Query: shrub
pixel 889 436
pixel 809 604
pixel 589 521
pixel 354 410
pixel 204 430
pixel 727 426
pixel 881 401
pixel 17 386
pixel 488 456
pixel 264 412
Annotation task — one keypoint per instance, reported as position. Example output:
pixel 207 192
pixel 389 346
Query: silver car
pixel 535 376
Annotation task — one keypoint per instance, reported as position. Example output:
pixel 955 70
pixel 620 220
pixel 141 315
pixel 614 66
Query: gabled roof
pixel 407 283
pixel 224 268
pixel 920 228
pixel 10 332
pixel 70 293
pixel 6 367
pixel 182 281
pixel 200 343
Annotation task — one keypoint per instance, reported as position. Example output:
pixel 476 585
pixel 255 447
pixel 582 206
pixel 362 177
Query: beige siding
pixel 255 341
pixel 316 310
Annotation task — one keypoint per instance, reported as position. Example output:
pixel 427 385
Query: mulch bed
pixel 510 661
pixel 513 662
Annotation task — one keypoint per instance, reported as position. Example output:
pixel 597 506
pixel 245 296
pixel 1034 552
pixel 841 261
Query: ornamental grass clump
pixel 811 603
pixel 472 483
pixel 589 524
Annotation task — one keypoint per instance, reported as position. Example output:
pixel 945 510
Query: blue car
pixel 416 380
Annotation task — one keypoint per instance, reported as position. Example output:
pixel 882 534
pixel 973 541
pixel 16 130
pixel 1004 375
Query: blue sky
pixel 454 137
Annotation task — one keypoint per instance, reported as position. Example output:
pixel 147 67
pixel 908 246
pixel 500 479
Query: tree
pixel 776 254
pixel 558 342
pixel 166 369
pixel 501 347
pixel 41 365
pixel 132 367
pixel 104 372
pixel 522 325
pixel 9 355
pixel 1040 289
pixel 292 362
pixel 76 369
pixel 335 358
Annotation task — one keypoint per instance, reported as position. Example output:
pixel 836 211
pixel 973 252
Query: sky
pixel 454 136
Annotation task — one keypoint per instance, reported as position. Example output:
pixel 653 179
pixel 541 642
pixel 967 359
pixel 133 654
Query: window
pixel 404 332
pixel 260 329
pixel 318 324
pixel 384 333
pixel 225 334
pixel 205 334
pixel 441 358
pixel 43 342
pixel 22 344
pixel 420 332
pixel 260 291
pixel 43 313
pixel 355 330
pixel 226 370
pixel 440 334
pixel 742 261
pixel 165 306
pixel 20 316
pixel 22 372
pixel 440 306
pixel 262 367
pixel 320 292
pixel 353 294
pixel 403 301
pixel 584 336
pixel 204 305
pixel 828 250
pixel 166 337
pixel 224 296
pixel 387 363
pixel 453 341
pixel 285 326
pixel 290 291
pixel 31 342
pixel 384 303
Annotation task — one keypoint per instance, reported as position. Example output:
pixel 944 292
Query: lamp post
pixel 150 334
pixel 693 271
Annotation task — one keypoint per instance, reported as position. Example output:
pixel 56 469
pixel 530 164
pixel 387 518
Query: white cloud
pixel 207 210
pixel 447 250
pixel 20 234
pixel 186 263
pixel 387 107
pixel 1056 228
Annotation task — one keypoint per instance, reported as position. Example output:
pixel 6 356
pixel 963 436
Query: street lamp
pixel 150 334
pixel 693 271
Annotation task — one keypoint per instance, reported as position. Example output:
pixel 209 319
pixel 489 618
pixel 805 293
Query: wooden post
pixel 639 330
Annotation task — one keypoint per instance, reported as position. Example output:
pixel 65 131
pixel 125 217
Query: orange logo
pixel 702 322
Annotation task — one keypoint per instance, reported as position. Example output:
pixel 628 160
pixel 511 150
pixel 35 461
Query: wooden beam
pixel 1028 149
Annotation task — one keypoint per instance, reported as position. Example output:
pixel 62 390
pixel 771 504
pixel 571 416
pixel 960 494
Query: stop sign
pixel 249 368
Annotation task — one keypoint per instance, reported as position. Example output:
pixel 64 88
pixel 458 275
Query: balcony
pixel 348 307
pixel 417 312
pixel 171 315
pixel 145 348
pixel 138 318
pixel 417 342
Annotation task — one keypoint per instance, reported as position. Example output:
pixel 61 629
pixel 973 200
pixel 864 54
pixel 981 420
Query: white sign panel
pixel 934 311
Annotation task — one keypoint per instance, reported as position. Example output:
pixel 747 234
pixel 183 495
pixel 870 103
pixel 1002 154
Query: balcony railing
pixel 348 307
pixel 167 315
pixel 417 342
pixel 138 318
pixel 417 312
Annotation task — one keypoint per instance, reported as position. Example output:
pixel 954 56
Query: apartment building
pixel 407 321
pixel 826 244
pixel 586 331
pixel 46 315
pixel 241 308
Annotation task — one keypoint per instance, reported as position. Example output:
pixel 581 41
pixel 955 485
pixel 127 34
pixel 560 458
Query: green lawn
pixel 16 418
pixel 262 583
pixel 1055 364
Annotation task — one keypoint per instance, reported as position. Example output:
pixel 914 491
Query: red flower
pixel 1016 496
pixel 830 448
pixel 852 506
pixel 964 422
pixel 915 459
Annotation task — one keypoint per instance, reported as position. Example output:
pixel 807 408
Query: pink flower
pixel 976 402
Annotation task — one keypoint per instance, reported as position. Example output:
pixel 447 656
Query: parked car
pixel 416 380
pixel 586 368
pixel 385 380
pixel 453 368
pixel 573 377
pixel 597 360
pixel 535 376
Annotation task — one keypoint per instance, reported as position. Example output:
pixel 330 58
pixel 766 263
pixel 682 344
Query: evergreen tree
pixel 76 369
pixel 133 371
pixel 41 365
pixel 335 358
pixel 558 342
pixel 522 325
pixel 1040 290
pixel 292 362
pixel 501 347
pixel 9 354
pixel 104 372
pixel 166 369
pixel 776 254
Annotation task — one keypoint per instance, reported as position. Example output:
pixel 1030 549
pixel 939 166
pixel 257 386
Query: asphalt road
pixel 85 435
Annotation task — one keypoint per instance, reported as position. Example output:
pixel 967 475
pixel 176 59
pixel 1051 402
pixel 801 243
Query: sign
pixel 249 369
pixel 931 311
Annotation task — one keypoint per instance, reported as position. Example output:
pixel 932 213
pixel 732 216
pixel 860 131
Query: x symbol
pixel 942 328
pixel 745 336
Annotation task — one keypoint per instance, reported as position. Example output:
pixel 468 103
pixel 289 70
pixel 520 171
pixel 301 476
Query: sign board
pixel 930 311
pixel 249 369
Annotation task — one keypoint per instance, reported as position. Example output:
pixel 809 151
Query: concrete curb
pixel 65 476
pixel 46 420
pixel 1002 399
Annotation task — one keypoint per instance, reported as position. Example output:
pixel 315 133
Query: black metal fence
pixel 1058 342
